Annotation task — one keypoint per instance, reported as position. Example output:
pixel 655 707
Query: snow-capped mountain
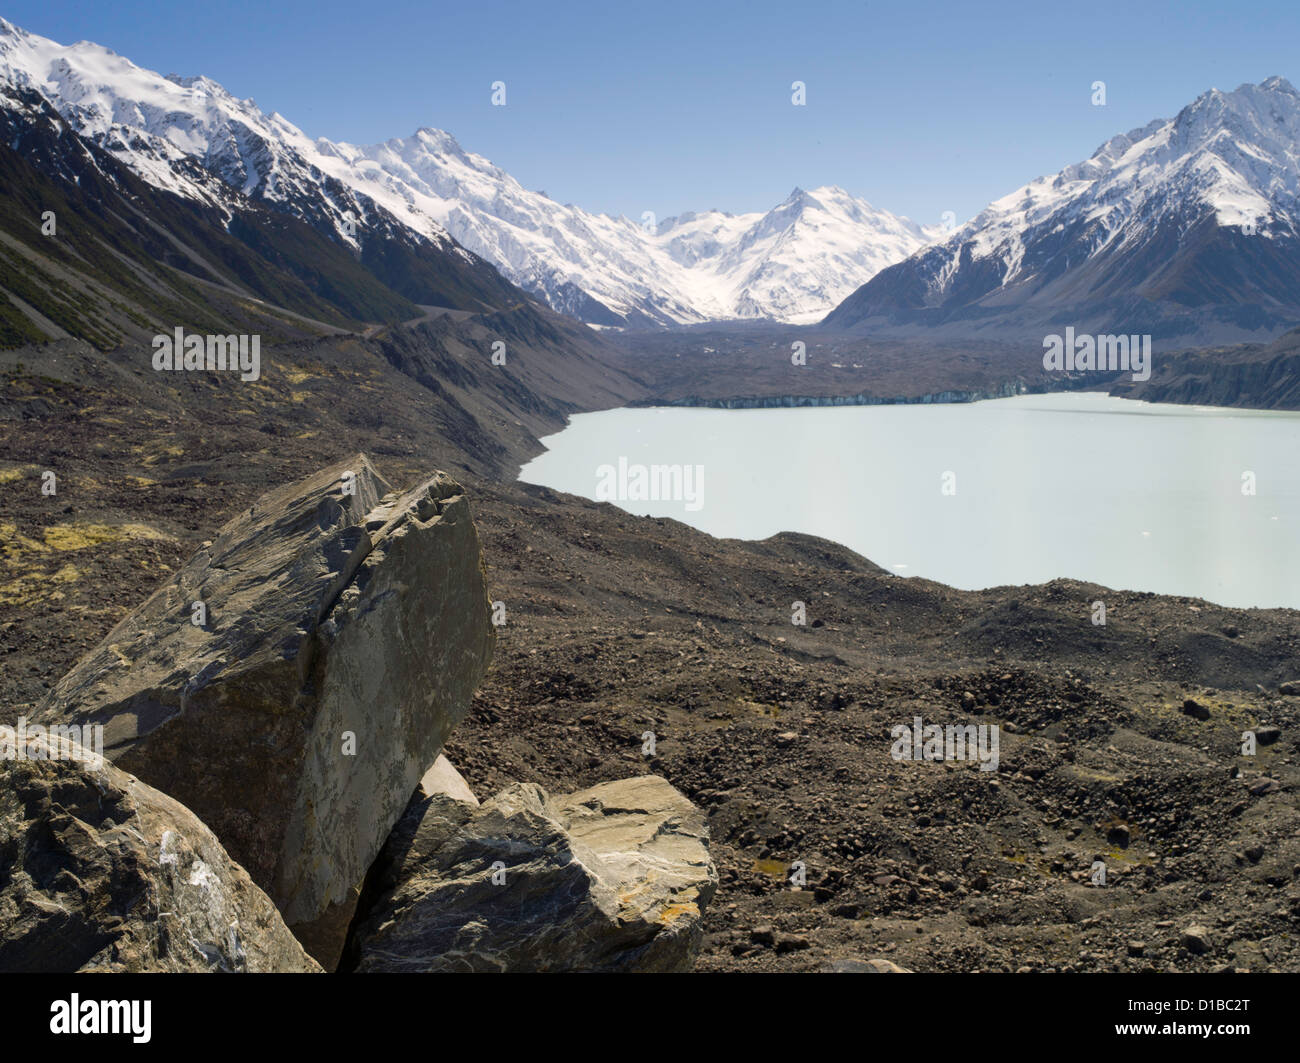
pixel 791 263
pixel 1184 226
pixel 190 136
pixel 185 135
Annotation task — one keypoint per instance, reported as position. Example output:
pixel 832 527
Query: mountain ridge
pixel 1186 227
pixel 190 135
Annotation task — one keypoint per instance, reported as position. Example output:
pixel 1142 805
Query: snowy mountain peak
pixel 439 140
pixel 1276 83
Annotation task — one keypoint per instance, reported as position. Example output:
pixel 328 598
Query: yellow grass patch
pixel 78 536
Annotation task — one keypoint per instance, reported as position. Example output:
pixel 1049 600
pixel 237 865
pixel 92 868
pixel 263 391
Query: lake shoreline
pixel 984 494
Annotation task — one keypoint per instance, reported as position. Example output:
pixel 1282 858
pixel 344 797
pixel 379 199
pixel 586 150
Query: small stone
pixel 763 935
pixel 1196 939
pixel 1137 948
pixel 791 943
pixel 1266 736
pixel 1195 709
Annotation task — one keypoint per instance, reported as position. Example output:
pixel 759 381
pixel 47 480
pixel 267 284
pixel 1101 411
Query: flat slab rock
pixel 101 872
pixel 613 878
pixel 345 627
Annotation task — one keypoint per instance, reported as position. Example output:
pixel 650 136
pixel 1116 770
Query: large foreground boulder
pixel 294 681
pixel 100 872
pixel 613 878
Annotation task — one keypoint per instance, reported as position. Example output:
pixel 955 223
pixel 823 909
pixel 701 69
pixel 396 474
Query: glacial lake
pixel 1131 495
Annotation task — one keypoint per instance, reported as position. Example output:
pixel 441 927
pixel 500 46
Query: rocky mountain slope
pixel 1261 376
pixel 91 251
pixel 248 218
pixel 1186 228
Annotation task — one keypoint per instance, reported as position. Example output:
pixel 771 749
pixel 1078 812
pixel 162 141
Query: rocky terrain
pixel 751 366
pixel 272 685
pixel 634 646
pixel 370 704
pixel 1261 376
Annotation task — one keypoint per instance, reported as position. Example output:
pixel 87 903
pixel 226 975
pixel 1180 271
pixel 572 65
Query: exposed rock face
pixel 100 872
pixel 346 629
pixel 613 878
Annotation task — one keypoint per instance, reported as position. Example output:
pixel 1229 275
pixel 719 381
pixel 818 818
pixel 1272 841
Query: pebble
pixel 1196 938
pixel 791 943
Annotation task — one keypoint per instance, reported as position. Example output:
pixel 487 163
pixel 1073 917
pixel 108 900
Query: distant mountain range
pixel 792 263
pixel 1185 228
pixel 190 136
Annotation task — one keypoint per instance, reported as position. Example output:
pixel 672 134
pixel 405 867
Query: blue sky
pixel 921 107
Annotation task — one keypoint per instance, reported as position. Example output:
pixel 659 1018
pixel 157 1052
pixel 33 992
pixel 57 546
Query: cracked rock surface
pixel 612 878
pixel 101 872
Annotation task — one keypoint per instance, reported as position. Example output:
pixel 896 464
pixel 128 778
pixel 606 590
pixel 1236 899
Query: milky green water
pixel 1127 494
